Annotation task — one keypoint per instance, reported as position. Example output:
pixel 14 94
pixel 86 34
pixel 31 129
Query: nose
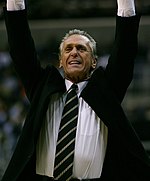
pixel 74 51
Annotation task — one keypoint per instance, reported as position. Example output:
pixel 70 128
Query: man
pixel 106 146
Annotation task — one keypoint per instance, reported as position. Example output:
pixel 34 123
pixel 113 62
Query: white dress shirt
pixel 91 139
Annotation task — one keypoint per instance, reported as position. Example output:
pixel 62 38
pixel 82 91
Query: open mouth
pixel 74 62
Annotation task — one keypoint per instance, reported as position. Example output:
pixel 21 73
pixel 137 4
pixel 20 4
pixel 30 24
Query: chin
pixel 76 76
pixel 75 72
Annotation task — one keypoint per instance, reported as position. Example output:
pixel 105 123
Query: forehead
pixel 76 39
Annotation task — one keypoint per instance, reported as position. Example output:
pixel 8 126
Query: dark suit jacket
pixel 126 159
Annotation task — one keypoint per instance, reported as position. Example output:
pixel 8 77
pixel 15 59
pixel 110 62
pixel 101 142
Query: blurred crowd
pixel 13 107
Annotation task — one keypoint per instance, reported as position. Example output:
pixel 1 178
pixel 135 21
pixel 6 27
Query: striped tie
pixel 66 137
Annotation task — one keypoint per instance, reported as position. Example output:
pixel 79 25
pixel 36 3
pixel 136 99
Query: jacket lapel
pixel 100 97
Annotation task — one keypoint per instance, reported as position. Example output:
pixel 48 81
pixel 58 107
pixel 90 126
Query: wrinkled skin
pixel 77 58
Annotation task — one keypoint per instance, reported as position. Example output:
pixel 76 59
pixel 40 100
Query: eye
pixel 68 49
pixel 81 48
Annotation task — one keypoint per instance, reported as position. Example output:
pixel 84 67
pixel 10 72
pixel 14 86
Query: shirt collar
pixel 81 85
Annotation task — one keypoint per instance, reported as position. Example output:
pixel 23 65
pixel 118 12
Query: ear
pixel 94 62
pixel 60 63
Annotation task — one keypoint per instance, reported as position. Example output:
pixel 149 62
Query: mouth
pixel 74 62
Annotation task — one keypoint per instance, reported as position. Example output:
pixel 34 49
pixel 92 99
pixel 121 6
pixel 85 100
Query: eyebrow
pixel 77 45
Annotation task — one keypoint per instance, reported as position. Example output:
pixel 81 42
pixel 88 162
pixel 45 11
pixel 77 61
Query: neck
pixel 77 79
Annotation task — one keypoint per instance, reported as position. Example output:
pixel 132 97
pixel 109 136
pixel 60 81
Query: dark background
pixel 49 21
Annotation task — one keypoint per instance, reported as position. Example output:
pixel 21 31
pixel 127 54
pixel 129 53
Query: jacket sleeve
pixel 22 49
pixel 119 70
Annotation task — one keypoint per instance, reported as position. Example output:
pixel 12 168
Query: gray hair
pixel 92 42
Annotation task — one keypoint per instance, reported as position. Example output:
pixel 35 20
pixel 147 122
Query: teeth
pixel 74 62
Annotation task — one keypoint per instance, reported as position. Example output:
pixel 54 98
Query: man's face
pixel 76 58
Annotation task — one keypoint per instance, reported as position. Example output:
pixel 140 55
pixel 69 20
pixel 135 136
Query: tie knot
pixel 74 87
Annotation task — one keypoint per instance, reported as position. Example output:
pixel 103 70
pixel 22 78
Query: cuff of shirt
pixel 126 12
pixel 14 5
pixel 126 8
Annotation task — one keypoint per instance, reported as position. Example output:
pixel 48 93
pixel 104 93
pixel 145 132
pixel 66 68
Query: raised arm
pixel 21 45
pixel 119 70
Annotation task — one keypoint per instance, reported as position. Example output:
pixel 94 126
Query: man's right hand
pixel 15 5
